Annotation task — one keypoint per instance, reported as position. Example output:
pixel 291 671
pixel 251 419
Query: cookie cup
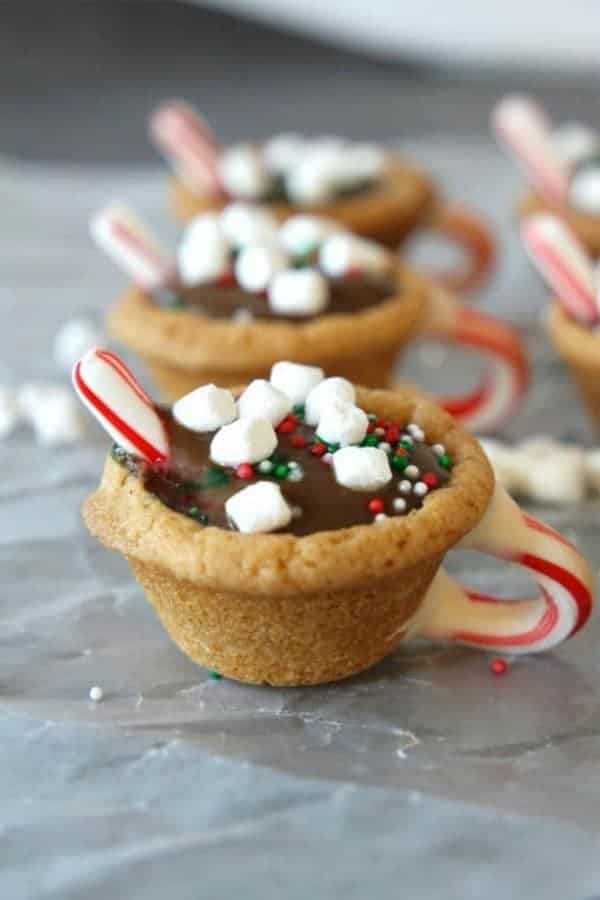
pixel 580 349
pixel 585 226
pixel 286 610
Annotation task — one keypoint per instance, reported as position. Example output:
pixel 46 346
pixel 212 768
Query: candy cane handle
pixel 470 233
pixel 504 383
pixel 452 612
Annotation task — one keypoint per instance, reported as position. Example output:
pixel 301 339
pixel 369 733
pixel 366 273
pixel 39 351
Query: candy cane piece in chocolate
pixel 525 131
pixel 452 612
pixel 563 262
pixel 188 143
pixel 112 394
pixel 123 237
pixel 504 383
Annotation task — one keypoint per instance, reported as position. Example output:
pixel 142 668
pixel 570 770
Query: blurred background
pixel 79 78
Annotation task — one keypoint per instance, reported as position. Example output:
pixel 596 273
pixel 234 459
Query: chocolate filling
pixel 196 487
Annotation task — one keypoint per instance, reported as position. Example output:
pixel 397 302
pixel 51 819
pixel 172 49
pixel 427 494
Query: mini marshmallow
pixel 53 412
pixel 327 391
pixel 259 508
pixel 206 408
pixel 296 380
pixel 574 142
pixel 300 234
pixel 9 412
pixel 362 468
pixel 72 340
pixel 243 172
pixel 243 224
pixel 344 252
pixel 257 264
pixel 591 463
pixel 505 462
pixel 298 292
pixel 312 179
pixel 342 423
pixel 262 400
pixel 584 190
pixel 244 441
pixel 551 472
pixel 358 163
pixel 283 151
pixel 203 253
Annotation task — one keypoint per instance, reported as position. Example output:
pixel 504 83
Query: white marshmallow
pixel 574 142
pixel 551 472
pixel 259 508
pixel 312 179
pixel 342 423
pixel 343 252
pixel 53 413
pixel 296 380
pixel 298 292
pixel 72 340
pixel 9 412
pixel 584 190
pixel 203 253
pixel 362 468
pixel 591 464
pixel 206 408
pixel 506 463
pixel 283 151
pixel 263 401
pixel 243 172
pixel 358 163
pixel 300 234
pixel 327 391
pixel 244 441
pixel 243 224
pixel 257 264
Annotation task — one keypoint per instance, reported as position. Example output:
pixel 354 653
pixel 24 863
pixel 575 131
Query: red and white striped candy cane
pixel 506 377
pixel 113 395
pixel 524 129
pixel 119 232
pixel 452 612
pixel 189 145
pixel 564 263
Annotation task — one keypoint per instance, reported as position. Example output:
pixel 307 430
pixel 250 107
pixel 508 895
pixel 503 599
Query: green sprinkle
pixel 299 410
pixel 406 442
pixel 195 513
pixel 372 417
pixel 370 440
pixel 212 478
pixel 445 461
pixel 400 462
pixel 214 676
pixel 281 470
pixel 333 448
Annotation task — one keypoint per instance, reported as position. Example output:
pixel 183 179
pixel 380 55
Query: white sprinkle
pixel 265 467
pixel 380 517
pixel 399 505
pixel 385 447
pixel 439 449
pixel 96 693
pixel 420 489
pixel 380 431
pixel 404 486
pixel 327 458
pixel 412 472
pixel 296 512
pixel 295 474
pixel 416 431
pixel 242 315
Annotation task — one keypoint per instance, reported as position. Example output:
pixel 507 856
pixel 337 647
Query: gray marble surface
pixel 426 776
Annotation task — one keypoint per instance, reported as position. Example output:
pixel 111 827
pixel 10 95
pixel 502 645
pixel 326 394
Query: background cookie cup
pixel 580 349
pixel 287 610
pixel 183 349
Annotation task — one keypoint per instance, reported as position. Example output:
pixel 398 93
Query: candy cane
pixel 452 612
pixel 112 394
pixel 188 143
pixel 563 262
pixel 118 231
pixel 524 129
pixel 504 383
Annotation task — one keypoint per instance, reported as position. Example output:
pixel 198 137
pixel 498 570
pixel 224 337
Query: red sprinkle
pixel 287 425
pixel 354 272
pixel 383 423
pixel 244 471
pixel 226 280
pixel 371 427
pixel 376 505
pixel 499 666
pixel 297 440
pixel 392 434
pixel 318 449
pixel 430 479
pixel 400 451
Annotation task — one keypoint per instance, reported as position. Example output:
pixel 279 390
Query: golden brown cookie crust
pixel 192 342
pixel 125 517
pixel 579 346
pixel 586 227
pixel 402 199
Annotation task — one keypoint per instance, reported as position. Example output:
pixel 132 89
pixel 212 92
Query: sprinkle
pixel 327 458
pixel 392 434
pixel 387 448
pixel 370 440
pixel 405 487
pixel 376 505
pixel 244 471
pixel 281 470
pixel 227 279
pixel 498 666
pixel 445 461
pixel 265 466
pixel 214 676
pixel 296 512
pixel 96 693
pixel 412 472
pixel 430 479
pixel 416 431
pixel 318 449
pixel 372 417
pixel 241 315
pixel 380 431
pixel 298 440
pixel 439 449
pixel 299 410
pixel 296 474
pixel 420 489
pixel 406 442
pixel 380 517
pixel 399 504
pixel 287 425
pixel 400 462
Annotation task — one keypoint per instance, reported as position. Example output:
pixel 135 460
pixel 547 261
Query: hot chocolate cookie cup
pixel 579 346
pixel 585 226
pixel 288 610
pixel 401 202
pixel 184 349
